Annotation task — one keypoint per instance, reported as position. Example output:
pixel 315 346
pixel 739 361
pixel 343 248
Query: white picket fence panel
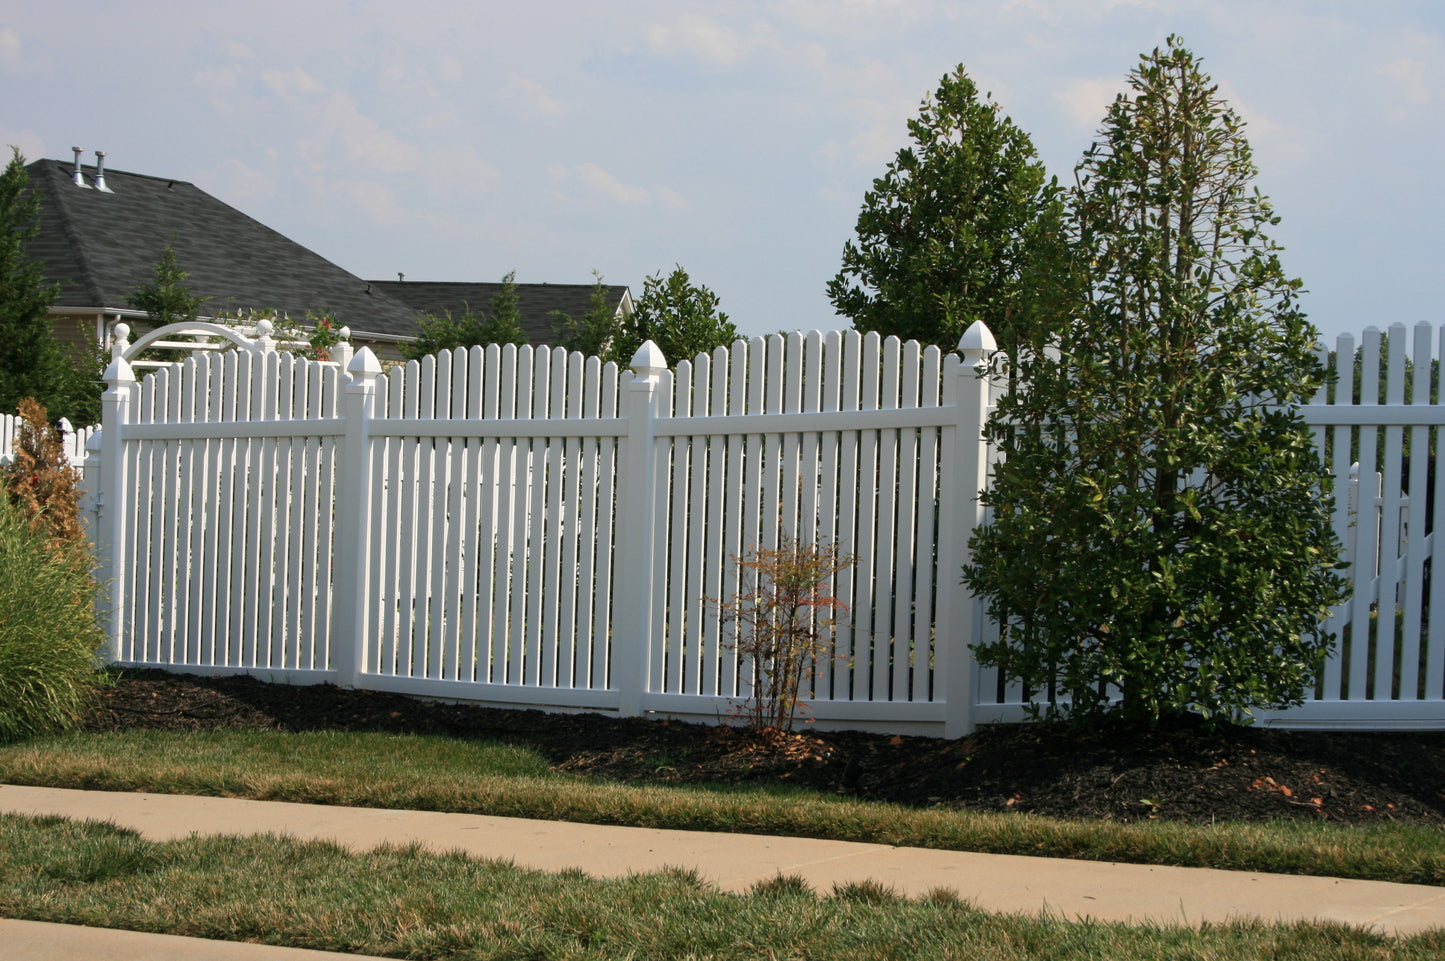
pixel 524 526
pixel 74 440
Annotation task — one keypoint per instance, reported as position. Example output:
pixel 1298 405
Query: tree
pixel 167 299
pixel 681 318
pixel 963 226
pixel 33 363
pixel 593 333
pixel 1159 527
pixel 500 323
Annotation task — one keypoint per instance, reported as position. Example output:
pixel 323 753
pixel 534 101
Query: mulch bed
pixel 1177 773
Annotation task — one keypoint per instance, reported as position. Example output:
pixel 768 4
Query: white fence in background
pixel 74 440
pixel 522 526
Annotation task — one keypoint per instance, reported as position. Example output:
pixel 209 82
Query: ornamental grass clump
pixel 49 633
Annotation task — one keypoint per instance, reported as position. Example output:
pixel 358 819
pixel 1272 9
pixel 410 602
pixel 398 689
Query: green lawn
pixel 444 774
pixel 402 902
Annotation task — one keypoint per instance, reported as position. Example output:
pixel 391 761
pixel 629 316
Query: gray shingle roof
pixel 101 246
pixel 536 302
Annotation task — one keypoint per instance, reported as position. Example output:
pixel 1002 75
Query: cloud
pixel 1409 76
pixel 335 117
pixel 451 69
pixel 30 143
pixel 243 183
pixel 597 183
pixel 1054 11
pixel 217 81
pixel 670 198
pixel 474 172
pixel 10 55
pixel 379 202
pixel 1258 124
pixel 716 44
pixel 1085 102
pixel 291 85
pixel 532 98
pixel 365 140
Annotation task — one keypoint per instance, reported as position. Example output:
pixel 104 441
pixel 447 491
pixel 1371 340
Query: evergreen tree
pixel 963 226
pixel 593 333
pixel 33 363
pixel 1159 528
pixel 167 299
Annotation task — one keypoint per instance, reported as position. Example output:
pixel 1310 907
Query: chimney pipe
pixel 100 172
pixel 78 177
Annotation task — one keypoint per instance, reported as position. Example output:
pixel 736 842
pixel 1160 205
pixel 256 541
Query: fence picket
pixel 568 519
pixel 549 637
pixel 1388 593
pixel 1341 437
pixel 829 374
pixel 602 637
pixel 699 560
pixel 668 670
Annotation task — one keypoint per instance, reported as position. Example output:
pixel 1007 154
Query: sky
pixel 460 141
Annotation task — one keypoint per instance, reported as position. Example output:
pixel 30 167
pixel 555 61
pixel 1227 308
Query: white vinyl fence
pixel 525 526
pixel 74 440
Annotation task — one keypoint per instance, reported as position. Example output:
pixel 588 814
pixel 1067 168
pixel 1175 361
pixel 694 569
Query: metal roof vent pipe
pixel 78 177
pixel 100 172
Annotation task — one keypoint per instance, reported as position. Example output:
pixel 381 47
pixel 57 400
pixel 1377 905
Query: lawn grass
pixel 468 776
pixel 404 902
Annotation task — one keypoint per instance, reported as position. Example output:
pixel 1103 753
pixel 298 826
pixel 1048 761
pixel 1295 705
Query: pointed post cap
pixel 364 367
pixel 648 360
pixel 119 372
pixel 977 343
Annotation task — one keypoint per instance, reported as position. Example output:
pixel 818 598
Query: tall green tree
pixel 681 317
pixel 33 363
pixel 499 323
pixel 591 334
pixel 1159 528
pixel 963 226
pixel 167 299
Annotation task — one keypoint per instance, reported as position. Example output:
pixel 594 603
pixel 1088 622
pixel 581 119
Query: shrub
pixel 782 623
pixel 1160 541
pixel 41 481
pixel 49 633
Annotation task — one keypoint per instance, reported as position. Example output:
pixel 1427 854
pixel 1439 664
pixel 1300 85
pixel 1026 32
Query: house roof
pixel 101 245
pixel 537 303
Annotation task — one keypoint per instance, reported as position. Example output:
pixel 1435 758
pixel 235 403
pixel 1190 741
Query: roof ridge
pixel 493 283
pixel 69 165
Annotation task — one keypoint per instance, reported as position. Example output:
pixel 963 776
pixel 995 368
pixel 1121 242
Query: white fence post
pixel 112 495
pixel 90 481
pixel 351 590
pixel 632 626
pixel 960 511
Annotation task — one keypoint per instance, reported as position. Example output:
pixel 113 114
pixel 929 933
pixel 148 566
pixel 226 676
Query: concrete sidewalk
pixel 1004 883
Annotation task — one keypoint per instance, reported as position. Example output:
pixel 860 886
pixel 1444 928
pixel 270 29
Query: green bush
pixel 49 634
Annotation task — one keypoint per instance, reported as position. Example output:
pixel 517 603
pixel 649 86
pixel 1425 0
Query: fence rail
pixel 527 526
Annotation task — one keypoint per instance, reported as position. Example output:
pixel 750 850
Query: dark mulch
pixel 1181 773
